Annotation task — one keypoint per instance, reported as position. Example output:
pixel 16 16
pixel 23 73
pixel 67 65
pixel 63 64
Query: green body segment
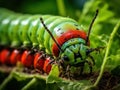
pixel 27 30
pixel 32 31
pixel 5 23
pixel 13 32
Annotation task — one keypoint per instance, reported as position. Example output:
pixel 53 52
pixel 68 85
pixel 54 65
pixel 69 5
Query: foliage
pixel 102 28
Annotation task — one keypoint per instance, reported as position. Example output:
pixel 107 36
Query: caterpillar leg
pixel 68 72
pixel 61 68
pixel 64 69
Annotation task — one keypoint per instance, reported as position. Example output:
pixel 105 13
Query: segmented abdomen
pixel 27 30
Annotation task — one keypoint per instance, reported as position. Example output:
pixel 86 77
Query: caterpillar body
pixel 69 45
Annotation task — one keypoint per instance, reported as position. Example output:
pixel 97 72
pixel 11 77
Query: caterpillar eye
pixel 65 58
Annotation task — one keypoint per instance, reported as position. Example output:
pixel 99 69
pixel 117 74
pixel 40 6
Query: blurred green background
pixel 41 6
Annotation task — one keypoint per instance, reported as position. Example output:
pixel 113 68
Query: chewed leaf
pixel 68 85
pixel 54 75
pixel 54 71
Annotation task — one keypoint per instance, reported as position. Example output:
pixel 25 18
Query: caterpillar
pixel 28 38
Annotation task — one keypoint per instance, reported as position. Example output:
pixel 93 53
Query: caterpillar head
pixel 74 51
pixel 72 47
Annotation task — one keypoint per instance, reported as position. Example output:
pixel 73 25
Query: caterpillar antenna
pixel 41 19
pixel 91 24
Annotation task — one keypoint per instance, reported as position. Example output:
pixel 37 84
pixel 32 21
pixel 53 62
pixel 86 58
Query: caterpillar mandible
pixel 61 37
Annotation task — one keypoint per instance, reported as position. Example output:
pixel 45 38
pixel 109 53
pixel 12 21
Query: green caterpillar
pixel 72 43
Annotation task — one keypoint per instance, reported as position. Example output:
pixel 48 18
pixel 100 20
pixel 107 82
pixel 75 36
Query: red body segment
pixel 38 61
pixel 65 37
pixel 27 58
pixel 15 56
pixel 5 56
pixel 47 66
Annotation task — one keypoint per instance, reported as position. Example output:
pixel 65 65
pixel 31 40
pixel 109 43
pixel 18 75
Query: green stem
pixel 61 7
pixel 32 82
pixel 7 80
pixel 107 52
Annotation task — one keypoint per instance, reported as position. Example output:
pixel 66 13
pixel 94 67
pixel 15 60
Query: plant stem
pixel 106 54
pixel 6 81
pixel 61 7
pixel 32 82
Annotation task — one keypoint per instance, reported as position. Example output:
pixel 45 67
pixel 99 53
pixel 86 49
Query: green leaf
pixel 54 75
pixel 73 85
